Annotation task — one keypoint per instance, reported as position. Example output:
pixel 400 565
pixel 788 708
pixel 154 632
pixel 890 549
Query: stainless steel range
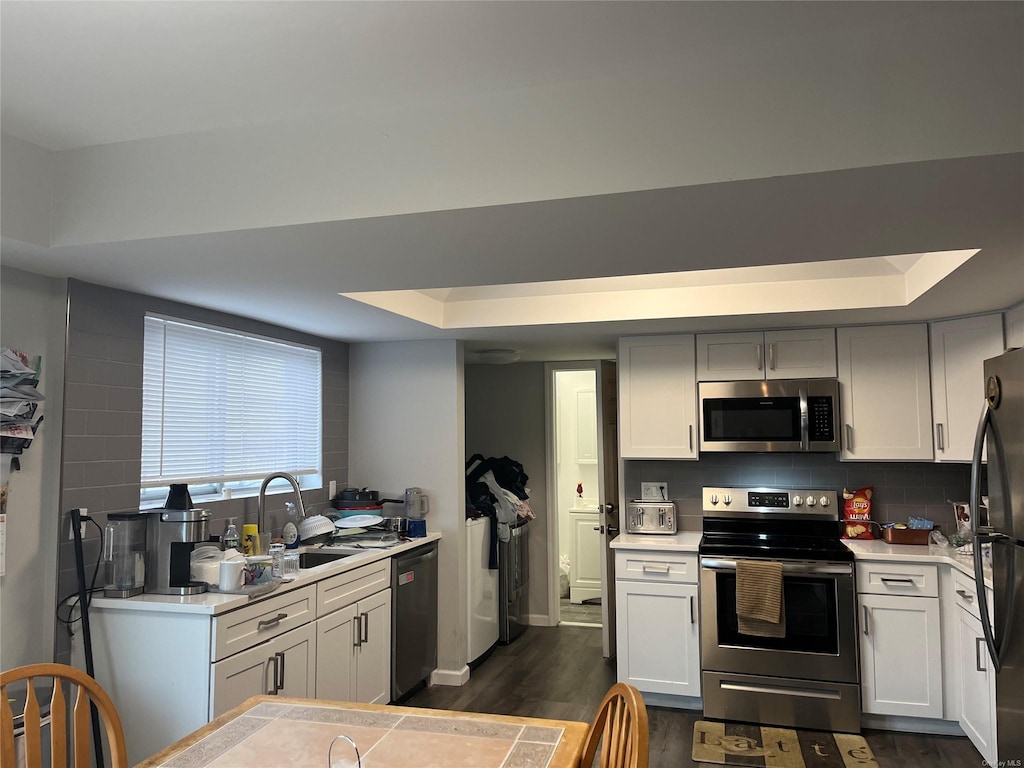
pixel 808 677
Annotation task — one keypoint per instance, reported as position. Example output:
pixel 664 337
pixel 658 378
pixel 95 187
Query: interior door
pixel 608 496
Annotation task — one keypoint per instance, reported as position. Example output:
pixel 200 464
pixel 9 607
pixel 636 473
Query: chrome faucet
pixel 263 493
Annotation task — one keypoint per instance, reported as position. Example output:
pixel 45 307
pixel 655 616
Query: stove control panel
pixel 768 501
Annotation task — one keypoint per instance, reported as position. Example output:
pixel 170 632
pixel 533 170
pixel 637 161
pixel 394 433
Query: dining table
pixel 283 731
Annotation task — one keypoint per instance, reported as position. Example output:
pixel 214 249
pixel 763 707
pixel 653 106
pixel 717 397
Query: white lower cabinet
pixel 353 643
pixel 977 686
pixel 900 655
pixel 585 556
pixel 283 666
pixel 657 623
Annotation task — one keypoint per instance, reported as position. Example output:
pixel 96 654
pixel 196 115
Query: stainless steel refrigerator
pixel 1001 429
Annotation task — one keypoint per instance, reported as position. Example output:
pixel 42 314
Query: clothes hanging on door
pixel 497 488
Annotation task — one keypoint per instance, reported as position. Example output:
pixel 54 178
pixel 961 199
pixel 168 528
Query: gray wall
pixel 33 312
pixel 901 488
pixel 505 417
pixel 103 417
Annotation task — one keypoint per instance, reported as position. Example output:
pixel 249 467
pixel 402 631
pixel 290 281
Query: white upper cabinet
pixel 805 353
pixel 959 350
pixel 657 397
pixel 884 393
pixel 1015 327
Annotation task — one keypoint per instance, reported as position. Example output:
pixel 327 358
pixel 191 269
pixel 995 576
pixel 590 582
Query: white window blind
pixel 222 407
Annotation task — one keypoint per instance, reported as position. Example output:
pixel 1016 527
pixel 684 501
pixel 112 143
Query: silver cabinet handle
pixel 867 618
pixel 891 580
pixel 279 683
pixel 692 619
pixel 357 635
pixel 273 676
pixel 965 595
pixel 655 568
pixel 771 356
pixel 977 653
pixel 268 623
pixel 940 443
pixel 759 357
pixel 364 636
pixel 849 437
pixel 691 437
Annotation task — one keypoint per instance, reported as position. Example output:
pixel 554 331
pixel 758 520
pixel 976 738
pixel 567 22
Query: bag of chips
pixel 857 513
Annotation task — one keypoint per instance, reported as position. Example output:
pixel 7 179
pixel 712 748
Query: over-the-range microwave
pixel 791 415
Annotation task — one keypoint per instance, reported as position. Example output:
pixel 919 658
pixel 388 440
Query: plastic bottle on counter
pixel 290 534
pixel 231 539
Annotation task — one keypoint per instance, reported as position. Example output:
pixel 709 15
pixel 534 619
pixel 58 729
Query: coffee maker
pixel 171 535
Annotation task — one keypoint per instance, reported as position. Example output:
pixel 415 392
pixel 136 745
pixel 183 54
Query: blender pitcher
pixel 124 555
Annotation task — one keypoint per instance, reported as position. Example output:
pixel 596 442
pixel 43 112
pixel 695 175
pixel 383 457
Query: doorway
pixel 582 457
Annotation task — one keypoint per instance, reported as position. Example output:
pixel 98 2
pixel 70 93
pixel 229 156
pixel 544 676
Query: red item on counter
pixel 857 513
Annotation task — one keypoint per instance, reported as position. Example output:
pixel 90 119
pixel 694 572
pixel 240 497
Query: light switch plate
pixel 656 491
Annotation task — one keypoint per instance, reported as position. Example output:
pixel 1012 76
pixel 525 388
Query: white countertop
pixel 685 541
pixel 215 603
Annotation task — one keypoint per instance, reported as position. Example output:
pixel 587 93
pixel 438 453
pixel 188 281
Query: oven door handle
pixel 717 564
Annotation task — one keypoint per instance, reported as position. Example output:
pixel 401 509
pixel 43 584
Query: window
pixel 222 410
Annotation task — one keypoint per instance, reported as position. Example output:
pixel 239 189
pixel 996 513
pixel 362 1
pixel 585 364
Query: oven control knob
pixel 810 501
pixel 823 501
pixel 714 498
pixel 727 499
pixel 798 501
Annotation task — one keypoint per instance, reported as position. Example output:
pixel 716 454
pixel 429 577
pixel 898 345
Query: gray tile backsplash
pixel 103 418
pixel 901 489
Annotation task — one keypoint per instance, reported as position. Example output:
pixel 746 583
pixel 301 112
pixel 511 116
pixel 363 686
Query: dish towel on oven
pixel 759 605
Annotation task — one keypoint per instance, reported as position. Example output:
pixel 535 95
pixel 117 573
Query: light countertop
pixel 685 541
pixel 215 603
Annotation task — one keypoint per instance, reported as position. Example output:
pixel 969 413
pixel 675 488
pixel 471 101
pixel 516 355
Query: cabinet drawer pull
pixel 759 357
pixel 656 568
pixel 849 437
pixel 268 623
pixel 771 357
pixel 965 595
pixel 357 635
pixel 691 437
pixel 280 670
pixel 364 635
pixel 977 653
pixel 891 580
pixel 272 660
pixel 940 443
pixel 692 619
pixel 867 616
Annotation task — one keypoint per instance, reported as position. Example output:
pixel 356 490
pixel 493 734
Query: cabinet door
pixel 730 356
pixel 657 398
pixel 257 670
pixel 373 657
pixel 658 637
pixel 336 649
pixel 959 350
pixel 807 353
pixel 884 392
pixel 585 556
pixel 977 686
pixel 1014 320
pixel 900 655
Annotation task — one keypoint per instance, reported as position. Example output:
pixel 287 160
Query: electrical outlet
pixel 655 491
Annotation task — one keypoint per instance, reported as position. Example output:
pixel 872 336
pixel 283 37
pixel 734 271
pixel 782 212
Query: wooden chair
pixel 88 690
pixel 620 728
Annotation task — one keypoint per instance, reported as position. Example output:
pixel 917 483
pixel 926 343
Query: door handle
pixel 940 443
pixel 364 635
pixel 357 635
pixel 864 610
pixel 693 619
pixel 849 437
pixel 279 683
pixel 691 437
pixel 977 654
pixel 771 356
pixel 273 676
pixel 268 623
pixel 759 357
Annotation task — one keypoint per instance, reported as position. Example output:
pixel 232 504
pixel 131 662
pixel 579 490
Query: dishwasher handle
pixel 404 564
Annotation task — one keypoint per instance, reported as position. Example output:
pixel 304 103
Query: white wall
pixel 26 190
pixel 505 417
pixel 33 311
pixel 407 428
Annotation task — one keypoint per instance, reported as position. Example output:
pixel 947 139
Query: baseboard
pixel 540 620
pixel 453 677
pixel 670 701
pixel 911 724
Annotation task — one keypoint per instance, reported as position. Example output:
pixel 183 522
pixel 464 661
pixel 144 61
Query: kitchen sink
pixel 319 557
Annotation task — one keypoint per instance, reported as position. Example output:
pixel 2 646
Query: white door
pixel 608 495
pixel 901 660
pixel 373 668
pixel 336 648
pixel 660 631
pixel 977 685
pixel 586 555
pixel 295 652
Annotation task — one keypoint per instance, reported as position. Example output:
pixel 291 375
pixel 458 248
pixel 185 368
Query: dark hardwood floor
pixel 558 672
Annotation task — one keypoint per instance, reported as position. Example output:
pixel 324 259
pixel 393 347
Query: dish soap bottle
pixel 290 534
pixel 231 539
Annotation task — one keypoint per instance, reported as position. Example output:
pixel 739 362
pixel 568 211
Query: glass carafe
pixel 124 555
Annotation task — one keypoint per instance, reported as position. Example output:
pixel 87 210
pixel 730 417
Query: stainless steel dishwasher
pixel 413 619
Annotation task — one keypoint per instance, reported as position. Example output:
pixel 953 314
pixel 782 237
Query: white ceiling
pixel 262 157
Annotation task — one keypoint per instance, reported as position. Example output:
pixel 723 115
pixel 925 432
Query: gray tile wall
pixel 901 488
pixel 103 417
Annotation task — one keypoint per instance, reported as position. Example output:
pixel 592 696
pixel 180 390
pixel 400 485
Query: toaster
pixel 650 517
